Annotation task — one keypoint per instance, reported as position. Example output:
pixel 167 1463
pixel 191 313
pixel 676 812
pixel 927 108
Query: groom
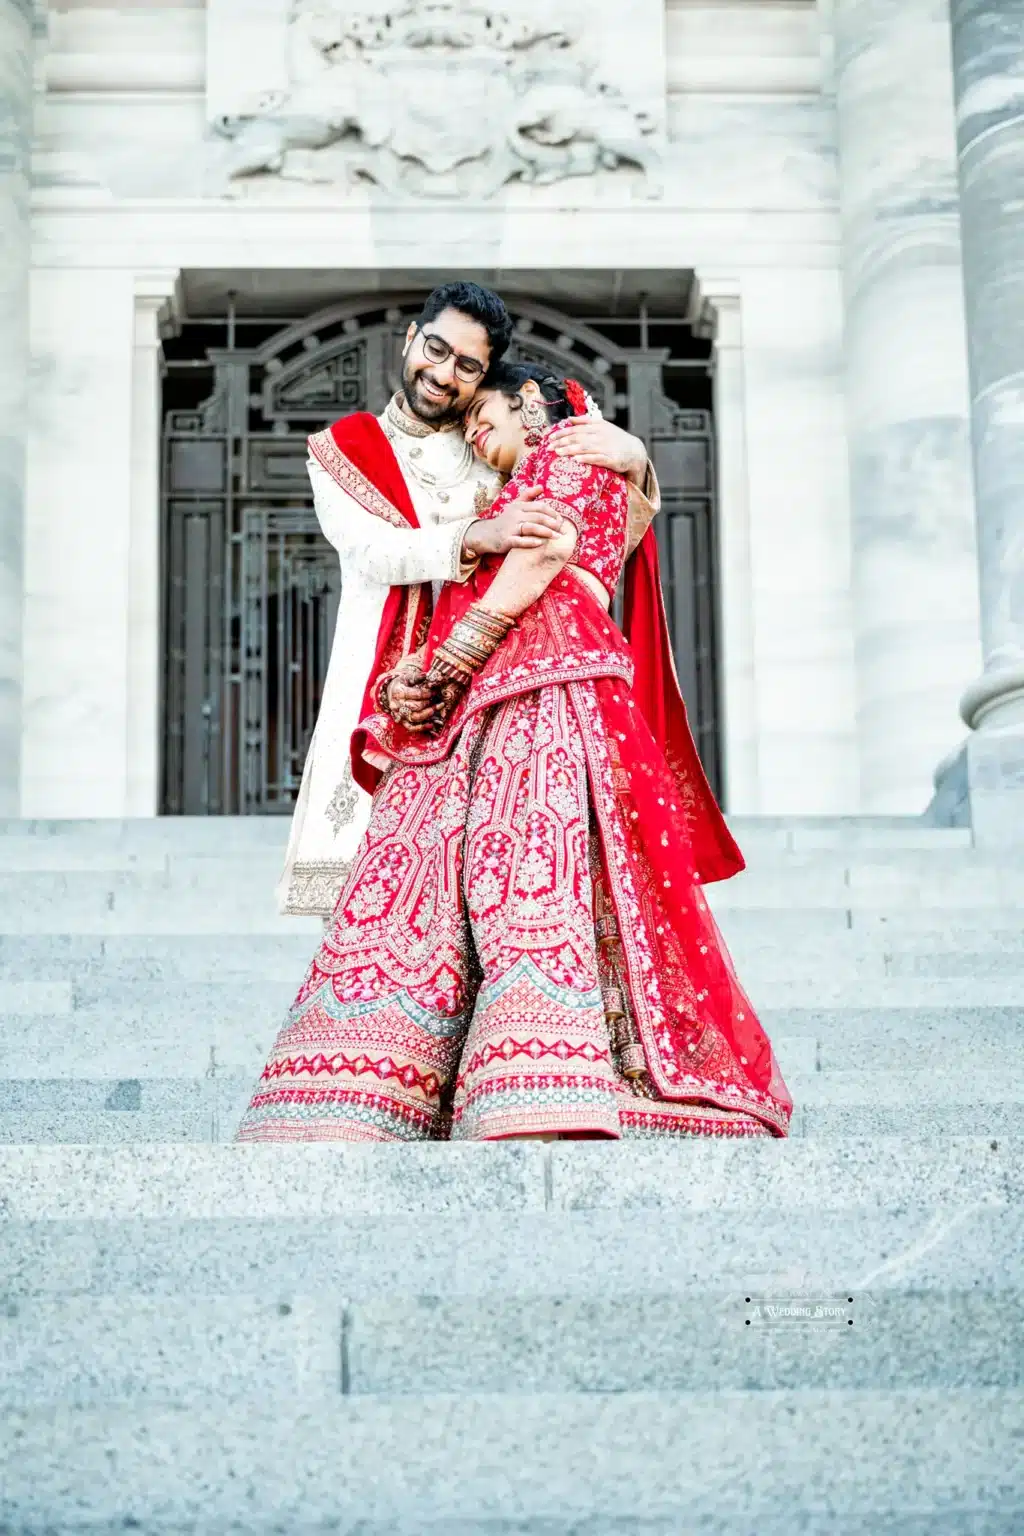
pixel 400 499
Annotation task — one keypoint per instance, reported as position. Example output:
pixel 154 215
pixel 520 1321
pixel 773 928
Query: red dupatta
pixel 656 690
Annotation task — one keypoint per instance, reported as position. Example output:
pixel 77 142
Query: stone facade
pixel 799 159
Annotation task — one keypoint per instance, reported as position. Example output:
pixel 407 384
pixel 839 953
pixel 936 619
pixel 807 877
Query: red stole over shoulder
pixel 356 454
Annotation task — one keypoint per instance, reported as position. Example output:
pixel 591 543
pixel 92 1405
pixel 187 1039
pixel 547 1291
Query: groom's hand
pixel 412 700
pixel 600 442
pixel 524 524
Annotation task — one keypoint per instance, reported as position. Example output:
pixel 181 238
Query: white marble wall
pixel 743 47
pixel 799 542
pixel 77 549
pixel 916 606
pixel 15 135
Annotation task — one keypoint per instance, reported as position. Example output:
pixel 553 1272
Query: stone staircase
pixel 511 1340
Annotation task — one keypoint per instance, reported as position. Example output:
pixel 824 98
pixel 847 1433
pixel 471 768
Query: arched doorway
pixel 251 585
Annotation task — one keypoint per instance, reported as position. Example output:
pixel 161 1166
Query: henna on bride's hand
pixel 447 693
pixel 410 700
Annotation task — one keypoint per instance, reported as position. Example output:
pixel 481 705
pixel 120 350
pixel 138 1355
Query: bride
pixel 523 947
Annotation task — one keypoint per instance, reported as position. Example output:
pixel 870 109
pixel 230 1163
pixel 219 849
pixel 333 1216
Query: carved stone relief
pixel 428 99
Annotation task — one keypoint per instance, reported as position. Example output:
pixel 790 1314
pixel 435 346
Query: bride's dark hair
pixel 509 378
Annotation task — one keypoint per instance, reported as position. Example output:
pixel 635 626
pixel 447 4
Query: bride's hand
pixel 411 700
pixel 593 441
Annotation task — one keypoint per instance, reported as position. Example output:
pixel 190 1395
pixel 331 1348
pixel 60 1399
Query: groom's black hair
pixel 480 304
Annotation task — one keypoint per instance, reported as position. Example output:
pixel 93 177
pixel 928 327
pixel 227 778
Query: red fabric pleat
pixel 656 690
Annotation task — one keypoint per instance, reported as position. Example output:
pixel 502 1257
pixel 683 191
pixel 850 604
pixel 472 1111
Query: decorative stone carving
pixel 429 99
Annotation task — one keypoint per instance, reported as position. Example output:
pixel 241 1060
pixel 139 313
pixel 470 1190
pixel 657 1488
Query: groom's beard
pixel 436 413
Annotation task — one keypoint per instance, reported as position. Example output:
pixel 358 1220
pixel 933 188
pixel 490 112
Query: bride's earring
pixel 535 420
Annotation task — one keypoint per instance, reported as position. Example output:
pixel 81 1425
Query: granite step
pixel 821 1462
pixel 883 994
pixel 835 961
pixel 847 1116
pixel 164 1075
pixel 230 997
pixel 104 857
pixel 843 956
pixel 892 886
pixel 312 1347
pixel 162 1039
pixel 951 1082
pixel 909 930
pixel 75 906
pixel 921 1120
pixel 225 833
pixel 910 1049
pixel 196 834
pixel 121 877
pixel 130 904
pixel 526 1250
pixel 816 1121
pixel 193 1031
pixel 59 1183
pixel 201 957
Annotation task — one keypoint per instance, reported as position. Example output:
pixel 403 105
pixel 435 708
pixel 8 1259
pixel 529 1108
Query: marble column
pixel 15 148
pixel 913 561
pixel 988 72
pixel 78 625
pixel 157 308
pixel 737 671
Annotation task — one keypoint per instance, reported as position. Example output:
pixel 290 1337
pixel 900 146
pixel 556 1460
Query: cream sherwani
pixel 448 486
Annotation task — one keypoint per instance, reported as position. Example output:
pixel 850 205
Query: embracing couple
pixel 503 816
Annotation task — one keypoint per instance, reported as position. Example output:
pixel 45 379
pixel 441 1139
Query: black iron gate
pixel 252 586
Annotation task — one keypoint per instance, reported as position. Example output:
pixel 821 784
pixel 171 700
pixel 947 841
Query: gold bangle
pixel 450 666
pixel 490 620
pixel 473 640
pixel 382 692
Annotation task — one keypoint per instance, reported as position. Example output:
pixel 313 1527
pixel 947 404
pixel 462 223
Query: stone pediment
pixel 427 100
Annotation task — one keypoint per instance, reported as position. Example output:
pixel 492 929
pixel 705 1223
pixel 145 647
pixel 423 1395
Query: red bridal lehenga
pixel 523 944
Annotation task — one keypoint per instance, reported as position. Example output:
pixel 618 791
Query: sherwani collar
pixel 398 418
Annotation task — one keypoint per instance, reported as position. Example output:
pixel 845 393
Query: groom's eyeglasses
pixel 436 350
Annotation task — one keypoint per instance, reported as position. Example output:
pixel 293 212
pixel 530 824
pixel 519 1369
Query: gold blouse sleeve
pixel 644 506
